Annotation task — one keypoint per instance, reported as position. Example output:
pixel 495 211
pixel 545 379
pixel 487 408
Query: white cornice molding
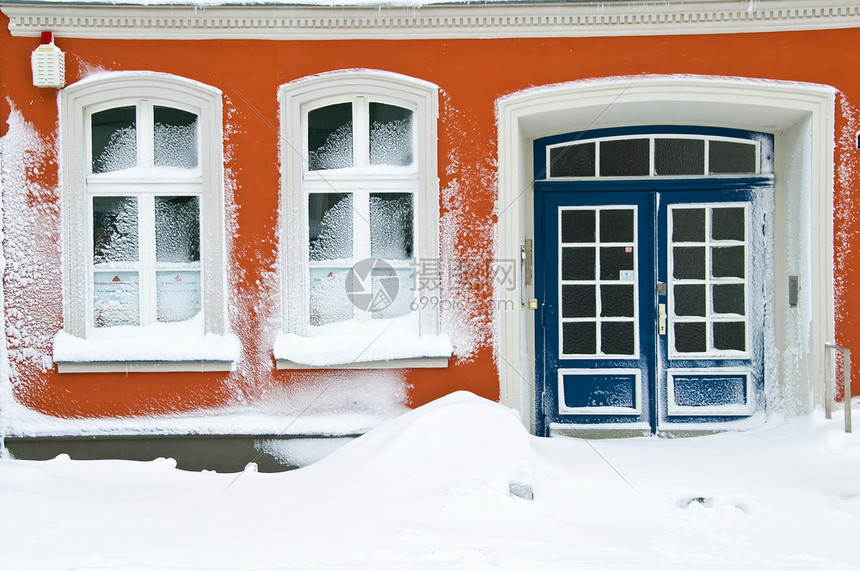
pixel 439 21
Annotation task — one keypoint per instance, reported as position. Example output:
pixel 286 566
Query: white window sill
pixel 374 344
pixel 164 347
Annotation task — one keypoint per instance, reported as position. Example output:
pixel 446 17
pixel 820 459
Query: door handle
pixel 661 318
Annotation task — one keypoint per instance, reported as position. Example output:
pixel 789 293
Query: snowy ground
pixel 430 490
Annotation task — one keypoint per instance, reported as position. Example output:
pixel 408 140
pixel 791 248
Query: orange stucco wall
pixel 472 75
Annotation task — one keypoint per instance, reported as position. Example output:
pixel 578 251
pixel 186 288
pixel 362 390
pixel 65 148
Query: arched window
pixel 143 222
pixel 359 210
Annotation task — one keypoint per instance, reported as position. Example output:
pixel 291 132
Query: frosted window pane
pixel 690 337
pixel 330 137
pixel 617 301
pixel 175 138
pixel 616 225
pixel 674 157
pixel 384 307
pixel 627 157
pixel 390 135
pixel 579 338
pixel 730 336
pixel 728 224
pixel 728 262
pixel 330 226
pixel 689 300
pixel 177 229
pixel 615 261
pixel 328 300
pixel 726 157
pixel 114 139
pixel 178 295
pixel 729 299
pixel 688 263
pixel 617 338
pixel 573 160
pixel 577 226
pixel 391 226
pixel 578 301
pixel 688 225
pixel 577 263
pixel 115 230
pixel 116 298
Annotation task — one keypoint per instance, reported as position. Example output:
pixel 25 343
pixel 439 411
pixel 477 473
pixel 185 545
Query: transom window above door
pixel 644 155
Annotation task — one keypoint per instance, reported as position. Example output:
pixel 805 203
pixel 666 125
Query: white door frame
pixel 801 118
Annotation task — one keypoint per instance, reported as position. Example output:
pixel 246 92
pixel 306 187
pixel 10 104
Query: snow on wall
pixel 847 169
pixel 468 269
pixel 31 217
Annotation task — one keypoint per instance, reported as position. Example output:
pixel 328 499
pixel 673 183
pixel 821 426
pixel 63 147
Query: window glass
pixel 178 295
pixel 116 299
pixel 175 138
pixel 330 226
pixel 573 160
pixel 330 137
pixel 676 157
pixel 115 229
pixel 625 157
pixel 391 216
pixel 390 135
pixel 114 139
pixel 328 300
pixel 727 157
pixel 177 229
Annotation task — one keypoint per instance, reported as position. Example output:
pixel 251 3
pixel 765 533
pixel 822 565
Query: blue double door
pixel 651 304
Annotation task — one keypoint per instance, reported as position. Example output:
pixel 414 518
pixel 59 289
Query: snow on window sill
pixel 373 344
pixel 163 347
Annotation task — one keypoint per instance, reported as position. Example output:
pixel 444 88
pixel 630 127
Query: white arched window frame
pixel 152 343
pixel 301 344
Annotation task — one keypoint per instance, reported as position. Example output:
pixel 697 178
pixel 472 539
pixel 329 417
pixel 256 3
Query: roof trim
pixel 440 21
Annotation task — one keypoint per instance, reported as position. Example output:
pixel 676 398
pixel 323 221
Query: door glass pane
pixel 616 263
pixel 727 262
pixel 727 157
pixel 177 229
pixel 116 299
pixel 579 338
pixel 616 300
pixel 625 157
pixel 688 225
pixel 177 295
pixel 175 143
pixel 390 135
pixel 616 225
pixel 729 299
pixel 676 157
pixel 328 299
pixel 617 338
pixel 578 301
pixel 690 337
pixel 577 263
pixel 730 336
pixel 577 226
pixel 330 226
pixel 391 225
pixel 115 229
pixel 689 300
pixel 688 263
pixel 114 139
pixel 572 160
pixel 330 137
pixel 728 224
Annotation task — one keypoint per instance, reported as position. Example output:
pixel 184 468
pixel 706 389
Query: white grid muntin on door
pixel 598 293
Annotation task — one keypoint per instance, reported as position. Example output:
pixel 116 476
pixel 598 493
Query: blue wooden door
pixel 650 304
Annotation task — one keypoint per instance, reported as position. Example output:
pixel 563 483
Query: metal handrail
pixel 846 383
